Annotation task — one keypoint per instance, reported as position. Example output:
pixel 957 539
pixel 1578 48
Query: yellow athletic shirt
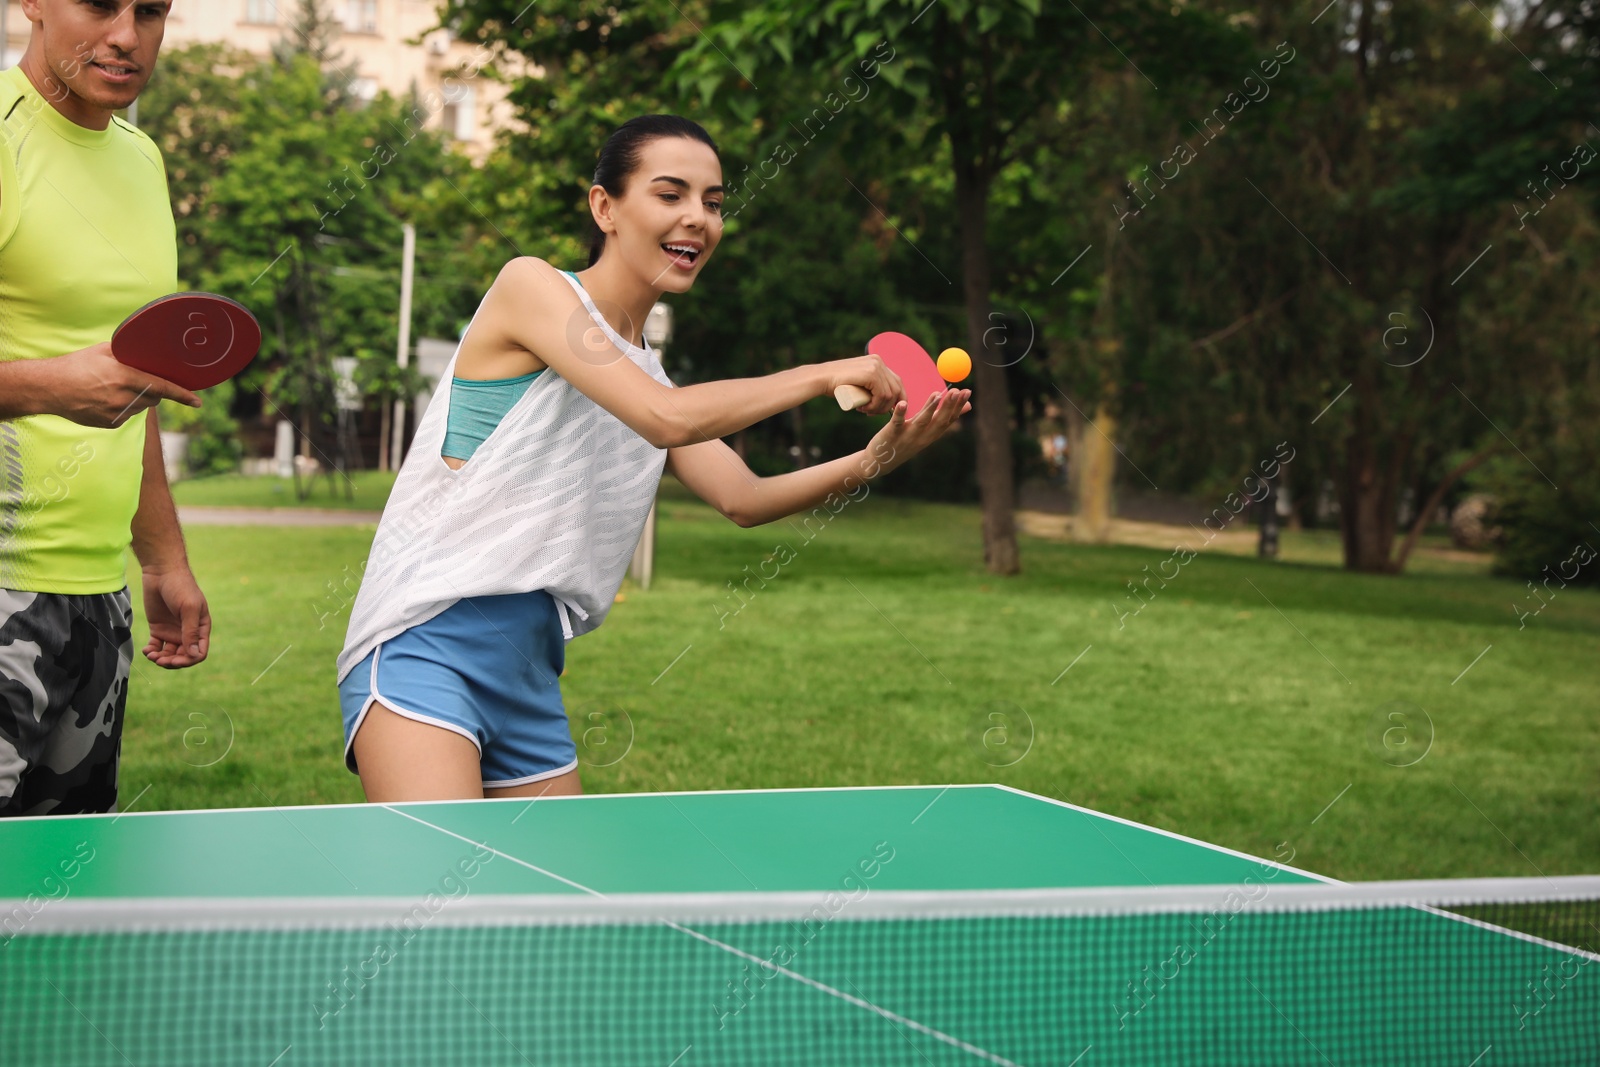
pixel 86 238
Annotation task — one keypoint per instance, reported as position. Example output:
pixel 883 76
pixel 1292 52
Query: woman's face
pixel 669 218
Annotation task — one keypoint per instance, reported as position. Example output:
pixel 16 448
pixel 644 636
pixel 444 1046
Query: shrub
pixel 1544 524
pixel 213 433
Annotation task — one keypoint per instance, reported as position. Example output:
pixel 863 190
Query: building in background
pixel 378 40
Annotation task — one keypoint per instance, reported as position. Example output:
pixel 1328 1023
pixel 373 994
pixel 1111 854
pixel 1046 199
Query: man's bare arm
pixel 88 387
pixel 175 608
pixel 157 537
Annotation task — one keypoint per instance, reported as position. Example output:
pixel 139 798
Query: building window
pixel 456 118
pixel 361 16
pixel 364 89
pixel 261 11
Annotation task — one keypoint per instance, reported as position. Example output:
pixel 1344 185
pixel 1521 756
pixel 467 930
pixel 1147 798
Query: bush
pixel 1543 525
pixel 213 433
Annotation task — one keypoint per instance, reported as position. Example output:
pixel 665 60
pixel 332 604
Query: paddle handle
pixel 849 397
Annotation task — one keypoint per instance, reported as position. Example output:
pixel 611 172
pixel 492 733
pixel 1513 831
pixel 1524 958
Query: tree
pixel 289 193
pixel 798 277
pixel 313 32
pixel 1315 275
pixel 984 76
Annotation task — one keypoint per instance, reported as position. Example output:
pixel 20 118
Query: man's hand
pixel 899 440
pixel 88 387
pixel 180 621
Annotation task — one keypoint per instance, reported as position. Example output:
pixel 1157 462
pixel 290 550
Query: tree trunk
pixel 1093 505
pixel 1076 428
pixel 383 434
pixel 1267 546
pixel 1097 466
pixel 1431 505
pixel 1366 507
pixel 991 398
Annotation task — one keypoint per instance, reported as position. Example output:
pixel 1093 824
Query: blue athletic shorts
pixel 485 667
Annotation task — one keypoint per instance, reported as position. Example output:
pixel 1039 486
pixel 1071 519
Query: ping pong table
pixel 902 925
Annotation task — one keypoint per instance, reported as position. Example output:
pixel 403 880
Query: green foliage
pixel 213 433
pixel 806 272
pixel 312 31
pixel 1317 246
pixel 289 195
pixel 190 109
pixel 1548 528
pixel 837 124
pixel 600 64
pixel 1269 275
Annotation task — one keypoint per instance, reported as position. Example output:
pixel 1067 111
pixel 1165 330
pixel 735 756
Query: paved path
pixel 194 516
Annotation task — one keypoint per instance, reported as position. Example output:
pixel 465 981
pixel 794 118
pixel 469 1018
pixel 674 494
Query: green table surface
pixel 955 838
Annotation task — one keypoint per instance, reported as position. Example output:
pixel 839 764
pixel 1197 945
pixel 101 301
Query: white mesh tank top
pixel 554 499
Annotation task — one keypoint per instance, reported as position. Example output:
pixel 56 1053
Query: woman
pixel 517 510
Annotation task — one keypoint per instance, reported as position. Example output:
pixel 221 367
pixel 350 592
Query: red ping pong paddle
pixel 917 371
pixel 196 340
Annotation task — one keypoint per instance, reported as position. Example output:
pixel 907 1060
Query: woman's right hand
pixel 868 373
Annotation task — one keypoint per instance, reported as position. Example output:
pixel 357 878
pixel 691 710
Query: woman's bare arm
pixel 532 308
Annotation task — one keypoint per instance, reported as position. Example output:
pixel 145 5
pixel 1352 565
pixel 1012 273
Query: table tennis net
pixel 1479 973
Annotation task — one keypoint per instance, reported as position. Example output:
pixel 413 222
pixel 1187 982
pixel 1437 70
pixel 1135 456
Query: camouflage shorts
pixel 64 663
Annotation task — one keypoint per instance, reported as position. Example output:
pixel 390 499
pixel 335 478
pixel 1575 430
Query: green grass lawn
pixel 1238 706
pixel 368 490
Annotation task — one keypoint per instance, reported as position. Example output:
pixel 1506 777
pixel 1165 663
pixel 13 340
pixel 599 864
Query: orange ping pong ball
pixel 954 364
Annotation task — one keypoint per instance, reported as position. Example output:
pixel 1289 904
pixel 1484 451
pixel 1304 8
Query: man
pixel 86 236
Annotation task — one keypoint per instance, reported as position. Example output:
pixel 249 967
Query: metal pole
pixel 658 334
pixel 644 553
pixel 403 356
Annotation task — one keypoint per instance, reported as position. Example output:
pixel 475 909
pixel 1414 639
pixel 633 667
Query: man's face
pixel 100 52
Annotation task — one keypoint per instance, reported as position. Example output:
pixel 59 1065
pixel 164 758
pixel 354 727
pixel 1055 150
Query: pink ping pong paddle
pixel 197 340
pixel 917 371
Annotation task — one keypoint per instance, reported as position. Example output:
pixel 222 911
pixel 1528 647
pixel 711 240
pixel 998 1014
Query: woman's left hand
pixel 901 439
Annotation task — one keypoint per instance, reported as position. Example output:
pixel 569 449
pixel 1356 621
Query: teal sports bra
pixel 476 407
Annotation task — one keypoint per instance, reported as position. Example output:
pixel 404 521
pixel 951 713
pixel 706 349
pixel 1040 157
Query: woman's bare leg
pixel 562 785
pixel 402 759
